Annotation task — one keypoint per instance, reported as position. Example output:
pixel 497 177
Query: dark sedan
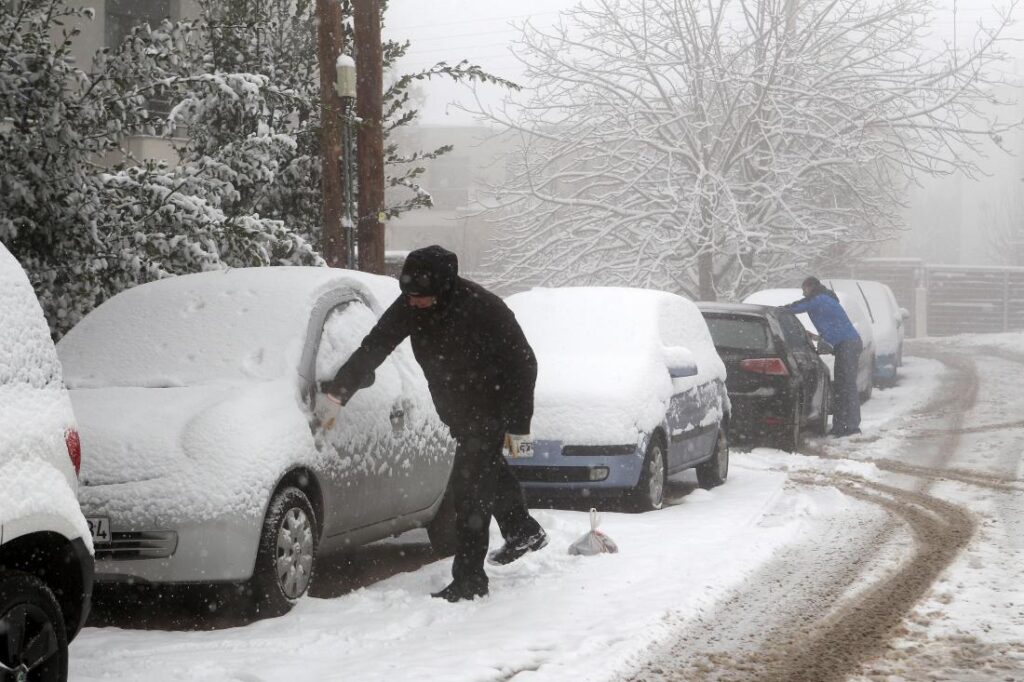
pixel 777 384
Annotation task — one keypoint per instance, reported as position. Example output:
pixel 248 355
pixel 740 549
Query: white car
pixel 630 391
pixel 887 323
pixel 858 315
pixel 46 565
pixel 213 457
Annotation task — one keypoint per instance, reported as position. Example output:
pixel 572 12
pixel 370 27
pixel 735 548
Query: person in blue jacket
pixel 834 326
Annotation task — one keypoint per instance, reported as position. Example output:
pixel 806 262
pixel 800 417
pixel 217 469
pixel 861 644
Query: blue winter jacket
pixel 828 316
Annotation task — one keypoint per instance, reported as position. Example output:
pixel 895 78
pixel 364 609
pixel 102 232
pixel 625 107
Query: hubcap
pixel 294 553
pixel 28 639
pixel 656 468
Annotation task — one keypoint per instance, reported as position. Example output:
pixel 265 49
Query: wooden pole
pixel 330 40
pixel 369 54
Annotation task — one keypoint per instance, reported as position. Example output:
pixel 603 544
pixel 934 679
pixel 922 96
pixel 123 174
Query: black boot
pixel 517 547
pixel 460 591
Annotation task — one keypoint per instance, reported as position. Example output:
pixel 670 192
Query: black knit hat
pixel 430 271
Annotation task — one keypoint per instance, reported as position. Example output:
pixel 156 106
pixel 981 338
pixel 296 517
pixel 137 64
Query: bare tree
pixel 711 146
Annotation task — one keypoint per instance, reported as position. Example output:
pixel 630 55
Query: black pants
pixel 482 486
pixel 847 398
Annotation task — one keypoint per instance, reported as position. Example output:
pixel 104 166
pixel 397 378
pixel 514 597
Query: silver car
pixel 213 458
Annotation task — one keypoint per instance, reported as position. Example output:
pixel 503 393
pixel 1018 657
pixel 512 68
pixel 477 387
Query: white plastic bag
pixel 594 542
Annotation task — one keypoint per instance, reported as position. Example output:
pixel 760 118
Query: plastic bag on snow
pixel 594 542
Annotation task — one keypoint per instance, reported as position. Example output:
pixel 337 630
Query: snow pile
pixel 602 359
pixel 36 474
pixel 560 617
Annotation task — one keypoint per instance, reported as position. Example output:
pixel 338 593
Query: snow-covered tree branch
pixel 709 147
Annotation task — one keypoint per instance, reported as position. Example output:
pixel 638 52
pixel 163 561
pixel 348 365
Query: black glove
pixel 335 391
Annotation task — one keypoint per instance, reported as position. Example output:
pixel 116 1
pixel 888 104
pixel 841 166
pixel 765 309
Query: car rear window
pixel 744 333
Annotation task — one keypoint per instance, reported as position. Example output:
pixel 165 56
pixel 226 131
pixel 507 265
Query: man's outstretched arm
pixel 391 329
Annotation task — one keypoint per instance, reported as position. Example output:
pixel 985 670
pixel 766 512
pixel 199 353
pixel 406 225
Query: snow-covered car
pixel 858 315
pixel 46 564
pixel 887 323
pixel 215 459
pixel 630 391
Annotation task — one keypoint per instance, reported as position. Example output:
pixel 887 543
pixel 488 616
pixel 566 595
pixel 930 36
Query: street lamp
pixel 345 86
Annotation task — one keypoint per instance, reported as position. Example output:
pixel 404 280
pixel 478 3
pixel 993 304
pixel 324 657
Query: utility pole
pixel 330 40
pixel 369 53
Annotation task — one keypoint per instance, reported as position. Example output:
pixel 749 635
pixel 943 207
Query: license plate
pixel 524 451
pixel 99 526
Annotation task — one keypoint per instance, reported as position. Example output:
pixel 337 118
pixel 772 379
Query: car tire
pixel 441 529
pixel 29 606
pixel 287 553
pixel 793 437
pixel 821 423
pixel 649 493
pixel 715 471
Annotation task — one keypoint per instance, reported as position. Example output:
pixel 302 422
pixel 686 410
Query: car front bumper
pixel 551 472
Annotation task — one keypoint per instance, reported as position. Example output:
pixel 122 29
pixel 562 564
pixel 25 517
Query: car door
pixel 690 438
pixel 812 382
pixel 425 450
pixel 363 441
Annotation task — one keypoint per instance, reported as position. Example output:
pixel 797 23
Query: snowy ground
pixel 551 616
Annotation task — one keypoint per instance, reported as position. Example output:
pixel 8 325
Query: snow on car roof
pixel 235 325
pixel 602 372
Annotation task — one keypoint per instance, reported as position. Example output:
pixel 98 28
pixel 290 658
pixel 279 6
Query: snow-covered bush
pixel 86 219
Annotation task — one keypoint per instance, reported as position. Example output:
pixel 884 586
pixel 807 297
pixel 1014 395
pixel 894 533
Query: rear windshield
pixel 743 333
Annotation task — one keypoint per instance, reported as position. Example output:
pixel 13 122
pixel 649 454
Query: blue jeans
pixel 844 387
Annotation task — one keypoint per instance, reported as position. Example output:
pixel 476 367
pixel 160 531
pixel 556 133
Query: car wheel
pixel 793 437
pixel 821 425
pixel 33 636
pixel 284 563
pixel 441 529
pixel 713 472
pixel 649 493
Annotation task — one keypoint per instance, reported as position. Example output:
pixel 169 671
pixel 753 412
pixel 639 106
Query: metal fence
pixel 951 299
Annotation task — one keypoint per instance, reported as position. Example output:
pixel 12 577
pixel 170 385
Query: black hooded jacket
pixel 479 366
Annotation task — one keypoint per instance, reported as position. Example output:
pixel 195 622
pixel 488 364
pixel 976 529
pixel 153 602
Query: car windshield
pixel 188 331
pixel 742 333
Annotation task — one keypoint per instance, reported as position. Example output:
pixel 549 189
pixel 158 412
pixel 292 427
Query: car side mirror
pixel 904 314
pixel 680 362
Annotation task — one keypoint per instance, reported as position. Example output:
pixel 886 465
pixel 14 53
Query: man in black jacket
pixel 481 372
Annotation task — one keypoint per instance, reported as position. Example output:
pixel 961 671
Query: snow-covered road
pixel 684 580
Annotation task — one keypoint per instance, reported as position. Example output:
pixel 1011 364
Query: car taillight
pixel 74 449
pixel 773 366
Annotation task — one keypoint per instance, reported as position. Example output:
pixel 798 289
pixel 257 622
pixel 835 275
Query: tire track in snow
pixel 830 633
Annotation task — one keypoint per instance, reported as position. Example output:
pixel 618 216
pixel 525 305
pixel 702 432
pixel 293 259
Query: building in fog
pixel 457 183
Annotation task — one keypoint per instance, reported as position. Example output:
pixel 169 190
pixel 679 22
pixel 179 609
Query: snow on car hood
pixel 197 453
pixel 603 355
pixel 592 400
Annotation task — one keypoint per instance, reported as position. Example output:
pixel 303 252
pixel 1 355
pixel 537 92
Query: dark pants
pixel 847 398
pixel 482 486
